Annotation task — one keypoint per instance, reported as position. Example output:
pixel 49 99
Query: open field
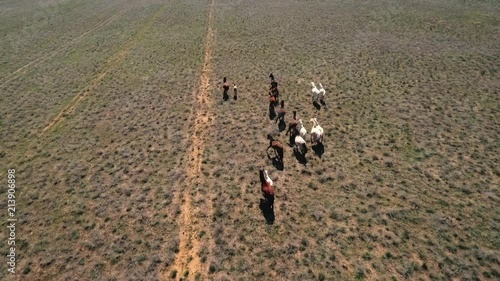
pixel 130 166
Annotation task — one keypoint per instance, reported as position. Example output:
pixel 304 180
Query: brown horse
pixel 277 147
pixel 292 125
pixel 225 87
pixel 274 96
pixel 281 114
pixel 267 188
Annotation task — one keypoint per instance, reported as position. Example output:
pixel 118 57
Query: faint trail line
pixel 110 65
pixel 16 74
pixel 187 260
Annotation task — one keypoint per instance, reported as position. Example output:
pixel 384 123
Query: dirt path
pixel 188 259
pixel 110 65
pixel 22 70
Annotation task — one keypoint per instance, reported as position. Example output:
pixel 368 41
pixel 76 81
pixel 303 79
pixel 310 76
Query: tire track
pixel 23 69
pixel 187 259
pixel 110 65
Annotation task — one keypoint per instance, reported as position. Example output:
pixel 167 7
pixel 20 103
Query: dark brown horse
pixel 225 87
pixel 272 109
pixel 274 84
pixel 267 188
pixel 293 129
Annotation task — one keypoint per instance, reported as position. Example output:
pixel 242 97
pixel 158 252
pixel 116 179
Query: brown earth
pixel 131 166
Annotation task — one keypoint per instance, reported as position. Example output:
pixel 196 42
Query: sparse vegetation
pixel 407 187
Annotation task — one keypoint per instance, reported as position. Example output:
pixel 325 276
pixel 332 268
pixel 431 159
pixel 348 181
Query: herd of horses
pixel 296 133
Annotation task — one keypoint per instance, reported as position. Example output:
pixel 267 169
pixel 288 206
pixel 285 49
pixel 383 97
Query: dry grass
pixel 406 188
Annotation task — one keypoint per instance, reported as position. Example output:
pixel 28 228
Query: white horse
pixel 300 145
pixel 268 179
pixel 315 92
pixel 322 92
pixel 302 129
pixel 316 132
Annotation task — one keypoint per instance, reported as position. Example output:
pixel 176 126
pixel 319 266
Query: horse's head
pixel 261 176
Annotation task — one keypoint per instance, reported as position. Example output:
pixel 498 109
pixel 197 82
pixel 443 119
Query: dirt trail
pixel 110 65
pixel 187 259
pixel 20 71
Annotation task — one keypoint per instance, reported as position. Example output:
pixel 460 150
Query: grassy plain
pixel 98 115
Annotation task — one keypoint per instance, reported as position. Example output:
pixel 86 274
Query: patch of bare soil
pixel 187 261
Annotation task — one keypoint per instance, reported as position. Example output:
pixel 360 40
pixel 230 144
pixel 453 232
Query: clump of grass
pixel 212 268
pixel 360 273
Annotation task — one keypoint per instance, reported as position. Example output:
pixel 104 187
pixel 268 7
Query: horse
pixel 322 94
pixel 299 143
pixel 315 93
pixel 302 129
pixel 274 95
pixel 272 109
pixel 316 132
pixel 277 147
pixel 292 127
pixel 274 84
pixel 293 123
pixel 281 113
pixel 267 187
pixel 225 87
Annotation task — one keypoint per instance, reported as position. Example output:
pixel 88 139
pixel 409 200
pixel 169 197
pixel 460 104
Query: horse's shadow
pixel 267 211
pixel 300 157
pixel 323 103
pixel 272 112
pixel 291 140
pixel 317 105
pixel 276 162
pixel 281 125
pixel 319 149
pixel 225 96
